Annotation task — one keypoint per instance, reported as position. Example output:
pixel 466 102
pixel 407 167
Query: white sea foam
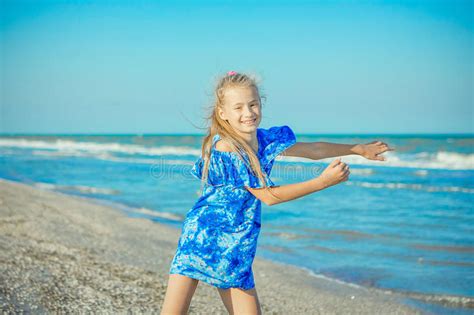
pixel 80 188
pixel 109 157
pixel 423 160
pixel 428 188
pixel 160 214
pixel 95 147
pixel 106 151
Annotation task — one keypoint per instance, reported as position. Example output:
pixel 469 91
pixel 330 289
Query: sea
pixel 404 225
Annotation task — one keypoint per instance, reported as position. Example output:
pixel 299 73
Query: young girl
pixel 219 234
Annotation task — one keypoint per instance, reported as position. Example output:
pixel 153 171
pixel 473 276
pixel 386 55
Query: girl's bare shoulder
pixel 222 145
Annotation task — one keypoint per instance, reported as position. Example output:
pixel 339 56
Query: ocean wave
pixel 79 188
pixel 422 187
pixel 277 249
pixel 71 147
pixel 109 157
pixel 287 235
pixel 445 248
pixel 422 160
pixel 106 151
pixel 158 214
pixel 441 299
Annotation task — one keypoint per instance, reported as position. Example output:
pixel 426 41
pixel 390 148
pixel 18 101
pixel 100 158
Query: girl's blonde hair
pixel 216 125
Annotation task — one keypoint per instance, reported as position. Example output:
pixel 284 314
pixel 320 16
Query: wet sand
pixel 63 253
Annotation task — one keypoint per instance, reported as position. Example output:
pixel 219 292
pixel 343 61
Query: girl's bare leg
pixel 239 301
pixel 178 295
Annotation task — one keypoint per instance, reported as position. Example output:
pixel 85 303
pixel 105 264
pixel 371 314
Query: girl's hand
pixel 335 173
pixel 372 150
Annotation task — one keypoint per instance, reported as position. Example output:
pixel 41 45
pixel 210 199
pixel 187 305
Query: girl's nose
pixel 248 111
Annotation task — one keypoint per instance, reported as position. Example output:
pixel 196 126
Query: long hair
pixel 216 125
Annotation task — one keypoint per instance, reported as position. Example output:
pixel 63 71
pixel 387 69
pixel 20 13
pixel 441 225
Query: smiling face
pixel 242 109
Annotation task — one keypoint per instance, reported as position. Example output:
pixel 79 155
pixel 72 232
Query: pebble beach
pixel 64 253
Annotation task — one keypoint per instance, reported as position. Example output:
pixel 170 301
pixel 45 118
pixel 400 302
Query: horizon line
pixel 195 134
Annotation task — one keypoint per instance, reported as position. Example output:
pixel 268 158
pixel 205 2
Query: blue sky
pixel 149 66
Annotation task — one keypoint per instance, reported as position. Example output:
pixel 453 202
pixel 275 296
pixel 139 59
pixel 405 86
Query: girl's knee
pixel 239 301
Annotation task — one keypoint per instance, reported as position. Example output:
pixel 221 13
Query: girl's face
pixel 241 109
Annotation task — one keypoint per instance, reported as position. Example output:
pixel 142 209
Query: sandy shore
pixel 66 253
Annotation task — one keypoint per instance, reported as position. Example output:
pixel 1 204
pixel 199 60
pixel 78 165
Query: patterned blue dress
pixel 219 235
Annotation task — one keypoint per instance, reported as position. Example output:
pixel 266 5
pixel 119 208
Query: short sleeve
pixel 227 169
pixel 196 170
pixel 276 140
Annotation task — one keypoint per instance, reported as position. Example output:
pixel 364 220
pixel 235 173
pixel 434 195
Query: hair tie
pixel 231 73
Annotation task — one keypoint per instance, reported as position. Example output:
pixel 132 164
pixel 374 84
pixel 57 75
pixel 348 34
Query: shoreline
pixel 64 252
pixel 421 301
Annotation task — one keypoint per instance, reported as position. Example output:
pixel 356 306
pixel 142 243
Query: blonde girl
pixel 219 234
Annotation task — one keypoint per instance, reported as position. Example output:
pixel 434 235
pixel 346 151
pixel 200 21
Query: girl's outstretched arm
pixel 287 192
pixel 334 173
pixel 322 150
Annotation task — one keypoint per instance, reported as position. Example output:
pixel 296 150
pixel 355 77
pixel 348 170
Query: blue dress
pixel 219 235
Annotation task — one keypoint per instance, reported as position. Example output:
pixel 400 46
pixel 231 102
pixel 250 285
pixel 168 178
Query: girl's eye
pixel 253 105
